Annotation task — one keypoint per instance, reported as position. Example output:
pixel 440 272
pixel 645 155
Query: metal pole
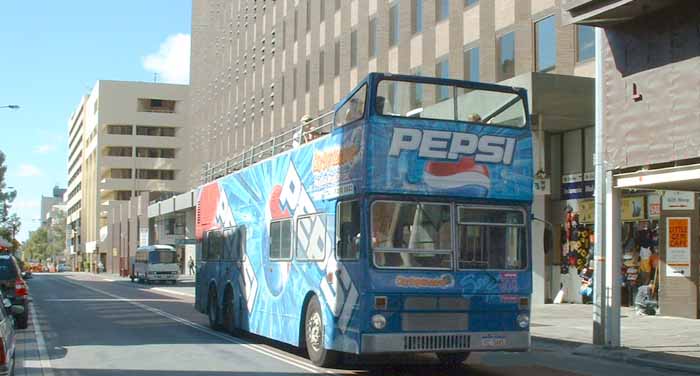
pixel 599 194
pixel 613 261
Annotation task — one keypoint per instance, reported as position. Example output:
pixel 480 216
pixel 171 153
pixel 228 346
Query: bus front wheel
pixel 314 336
pixel 452 359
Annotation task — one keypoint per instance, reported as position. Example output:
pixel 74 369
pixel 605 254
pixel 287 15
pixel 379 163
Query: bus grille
pixel 435 342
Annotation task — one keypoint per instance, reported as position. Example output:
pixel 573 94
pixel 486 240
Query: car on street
pixel 7 335
pixel 14 288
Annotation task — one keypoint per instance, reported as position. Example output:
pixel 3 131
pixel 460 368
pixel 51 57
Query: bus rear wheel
pixel 452 359
pixel 229 316
pixel 314 336
pixel 212 309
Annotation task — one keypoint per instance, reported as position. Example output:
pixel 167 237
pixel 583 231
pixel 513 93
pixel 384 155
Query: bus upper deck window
pixel 353 109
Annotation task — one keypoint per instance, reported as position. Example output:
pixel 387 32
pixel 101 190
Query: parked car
pixel 8 313
pixel 14 288
pixel 63 268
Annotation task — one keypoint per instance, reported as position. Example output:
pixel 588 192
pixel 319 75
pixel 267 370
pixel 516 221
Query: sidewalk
pixel 656 341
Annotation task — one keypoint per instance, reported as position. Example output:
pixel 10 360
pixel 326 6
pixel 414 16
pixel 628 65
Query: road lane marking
pixel 108 300
pixel 169 291
pixel 253 347
pixel 44 359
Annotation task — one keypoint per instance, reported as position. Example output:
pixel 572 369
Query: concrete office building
pixel 48 202
pixel 125 138
pixel 258 66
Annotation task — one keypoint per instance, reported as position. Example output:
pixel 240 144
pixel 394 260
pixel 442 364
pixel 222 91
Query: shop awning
pixel 682 178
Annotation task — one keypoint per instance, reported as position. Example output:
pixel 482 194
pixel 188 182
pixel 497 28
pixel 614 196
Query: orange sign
pixel 678 233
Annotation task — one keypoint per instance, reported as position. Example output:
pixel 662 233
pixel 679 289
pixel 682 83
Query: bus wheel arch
pixel 302 321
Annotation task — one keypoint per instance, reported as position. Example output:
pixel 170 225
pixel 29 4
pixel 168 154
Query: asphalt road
pixel 95 327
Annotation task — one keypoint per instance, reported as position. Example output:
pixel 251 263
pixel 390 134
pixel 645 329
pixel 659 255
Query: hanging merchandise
pixel 576 249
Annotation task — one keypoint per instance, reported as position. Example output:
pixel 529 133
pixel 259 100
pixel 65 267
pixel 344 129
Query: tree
pixel 6 198
pixel 57 232
pixel 9 227
pixel 37 247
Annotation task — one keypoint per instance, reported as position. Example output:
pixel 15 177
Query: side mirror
pixel 16 310
pixel 6 303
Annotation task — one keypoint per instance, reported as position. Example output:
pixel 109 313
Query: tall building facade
pixel 125 138
pixel 257 67
pixel 48 202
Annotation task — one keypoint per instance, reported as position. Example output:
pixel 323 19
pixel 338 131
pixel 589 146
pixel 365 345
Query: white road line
pixel 257 348
pixel 44 359
pixel 108 300
pixel 169 291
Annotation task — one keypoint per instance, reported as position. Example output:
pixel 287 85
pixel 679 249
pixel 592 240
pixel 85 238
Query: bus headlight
pixel 379 321
pixel 523 320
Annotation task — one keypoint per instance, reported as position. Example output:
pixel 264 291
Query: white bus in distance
pixel 155 263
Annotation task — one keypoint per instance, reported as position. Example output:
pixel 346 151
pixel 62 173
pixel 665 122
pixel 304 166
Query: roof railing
pixel 305 131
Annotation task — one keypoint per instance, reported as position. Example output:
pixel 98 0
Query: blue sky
pixel 52 53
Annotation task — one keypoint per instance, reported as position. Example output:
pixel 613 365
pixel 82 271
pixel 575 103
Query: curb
pixel 626 355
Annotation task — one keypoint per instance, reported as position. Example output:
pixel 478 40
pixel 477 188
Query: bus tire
pixel 229 315
pixel 314 336
pixel 212 309
pixel 452 359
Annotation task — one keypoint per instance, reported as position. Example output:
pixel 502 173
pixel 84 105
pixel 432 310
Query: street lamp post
pixel 11 106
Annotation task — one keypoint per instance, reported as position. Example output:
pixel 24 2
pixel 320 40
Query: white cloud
pixel 27 170
pixel 25 204
pixel 172 61
pixel 45 149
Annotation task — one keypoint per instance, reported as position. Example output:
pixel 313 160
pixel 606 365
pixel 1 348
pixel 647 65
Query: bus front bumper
pixel 447 342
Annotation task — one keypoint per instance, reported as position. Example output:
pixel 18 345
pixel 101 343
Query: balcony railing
pixel 282 142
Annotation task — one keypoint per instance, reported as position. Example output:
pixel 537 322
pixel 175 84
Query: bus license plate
pixel 493 341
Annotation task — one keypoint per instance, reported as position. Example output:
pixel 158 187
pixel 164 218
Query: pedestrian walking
pixel 190 264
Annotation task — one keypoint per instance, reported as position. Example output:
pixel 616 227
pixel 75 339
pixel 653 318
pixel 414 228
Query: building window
pixel 417 24
pixel 308 15
pixel 394 24
pixel 417 91
pixel 323 9
pixel 321 67
pixel 372 37
pixel 294 83
pixel 505 50
pixel 281 240
pixel 156 105
pixel 442 10
pixel 120 129
pixel 284 34
pixel 119 151
pixel 545 44
pixel 353 49
pixel 307 76
pixel 155 153
pixel 442 70
pixel 155 174
pixel 122 195
pixel 296 24
pixel 471 64
pixel 585 42
pixel 337 4
pixel 468 3
pixel 155 131
pixel 282 90
pixel 175 225
pixel 120 173
pixel 336 51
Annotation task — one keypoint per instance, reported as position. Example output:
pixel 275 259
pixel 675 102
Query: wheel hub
pixel 314 331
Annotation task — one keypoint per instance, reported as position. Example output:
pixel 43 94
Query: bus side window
pixel 241 232
pixel 348 230
pixel 353 109
pixel 281 240
pixel 228 240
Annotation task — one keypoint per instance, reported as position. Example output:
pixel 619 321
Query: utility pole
pixel 599 297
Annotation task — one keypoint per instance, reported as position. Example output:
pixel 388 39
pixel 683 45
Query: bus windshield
pixel 161 256
pixel 449 102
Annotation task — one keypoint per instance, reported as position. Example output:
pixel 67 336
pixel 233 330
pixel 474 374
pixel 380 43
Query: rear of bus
pixel 447 218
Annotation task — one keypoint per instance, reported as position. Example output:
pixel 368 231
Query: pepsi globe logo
pixel 465 175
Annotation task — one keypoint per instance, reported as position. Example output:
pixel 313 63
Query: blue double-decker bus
pixel 403 229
